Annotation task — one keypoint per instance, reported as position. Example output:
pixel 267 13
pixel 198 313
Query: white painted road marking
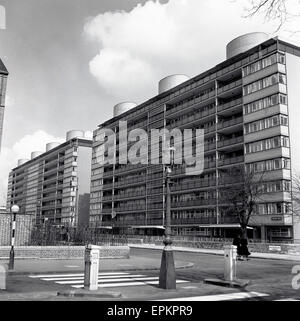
pixel 108 279
pixel 111 285
pixel 74 274
pixel 220 297
pixel 81 277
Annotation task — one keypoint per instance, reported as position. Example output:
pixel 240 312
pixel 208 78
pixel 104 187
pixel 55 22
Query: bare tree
pixel 273 10
pixel 241 192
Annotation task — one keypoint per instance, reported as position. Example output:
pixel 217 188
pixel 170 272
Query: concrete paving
pixel 134 263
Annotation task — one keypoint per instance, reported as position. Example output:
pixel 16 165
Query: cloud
pixel 21 149
pixel 153 40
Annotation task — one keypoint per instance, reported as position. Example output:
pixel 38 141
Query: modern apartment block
pixel 248 107
pixel 54 186
pixel 3 80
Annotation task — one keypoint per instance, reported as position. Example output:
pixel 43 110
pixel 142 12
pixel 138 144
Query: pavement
pixel 134 263
pixel 34 279
pixel 270 256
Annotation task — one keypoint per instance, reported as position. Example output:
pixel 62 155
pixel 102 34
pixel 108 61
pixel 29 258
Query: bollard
pixel 3 273
pixel 230 252
pixel 91 267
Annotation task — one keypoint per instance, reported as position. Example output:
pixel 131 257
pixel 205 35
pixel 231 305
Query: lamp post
pixel 167 276
pixel 14 209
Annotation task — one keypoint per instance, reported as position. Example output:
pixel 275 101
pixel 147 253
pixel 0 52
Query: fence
pixel 58 236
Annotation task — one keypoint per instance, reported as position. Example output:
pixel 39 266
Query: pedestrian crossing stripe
pixel 110 285
pixel 110 280
pixel 105 279
pixel 82 277
pixel 74 274
pixel 220 297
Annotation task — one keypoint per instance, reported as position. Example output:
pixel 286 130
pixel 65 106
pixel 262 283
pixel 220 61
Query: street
pixel 269 279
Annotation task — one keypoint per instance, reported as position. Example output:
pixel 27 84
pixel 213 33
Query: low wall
pixel 63 252
pixel 292 249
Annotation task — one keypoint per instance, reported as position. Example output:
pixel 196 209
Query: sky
pixel 71 61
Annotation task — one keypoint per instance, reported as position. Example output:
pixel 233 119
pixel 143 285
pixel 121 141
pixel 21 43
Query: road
pixel 269 280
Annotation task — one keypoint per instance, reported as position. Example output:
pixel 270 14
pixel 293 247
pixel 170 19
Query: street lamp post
pixel 14 209
pixel 167 276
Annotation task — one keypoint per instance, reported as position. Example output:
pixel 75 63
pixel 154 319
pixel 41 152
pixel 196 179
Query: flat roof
pixel 212 70
pixel 80 140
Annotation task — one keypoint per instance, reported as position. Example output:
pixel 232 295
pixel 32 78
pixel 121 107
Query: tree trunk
pixel 244 232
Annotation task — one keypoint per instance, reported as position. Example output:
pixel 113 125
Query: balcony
pixel 193 185
pixel 193 203
pixel 230 86
pixel 232 141
pixel 192 102
pixel 129 208
pixel 233 103
pixel 141 180
pixel 193 221
pixel 231 160
pixel 130 195
pixel 231 122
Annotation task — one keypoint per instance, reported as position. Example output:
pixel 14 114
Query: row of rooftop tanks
pixel 235 47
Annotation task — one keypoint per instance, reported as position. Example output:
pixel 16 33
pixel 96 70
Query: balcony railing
pixel 231 141
pixel 230 104
pixel 229 161
pixel 191 102
pixel 190 203
pixel 230 86
pixel 231 122
pixel 193 185
pixel 193 221
pixel 193 118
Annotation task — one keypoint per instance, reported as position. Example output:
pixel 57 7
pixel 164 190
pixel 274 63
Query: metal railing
pixel 58 236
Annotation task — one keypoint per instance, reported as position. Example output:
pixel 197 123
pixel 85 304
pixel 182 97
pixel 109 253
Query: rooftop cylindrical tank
pixel 22 161
pixel 51 146
pixel 123 107
pixel 74 134
pixel 88 135
pixel 244 43
pixel 35 154
pixel 170 82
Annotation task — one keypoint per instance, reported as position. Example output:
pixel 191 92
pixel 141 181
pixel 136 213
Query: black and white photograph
pixel 149 154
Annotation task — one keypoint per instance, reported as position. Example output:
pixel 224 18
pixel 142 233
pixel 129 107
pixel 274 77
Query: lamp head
pixel 15 208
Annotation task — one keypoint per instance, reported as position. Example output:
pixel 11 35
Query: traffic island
pixel 231 284
pixel 86 293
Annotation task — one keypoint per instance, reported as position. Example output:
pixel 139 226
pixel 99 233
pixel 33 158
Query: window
pixel 265 103
pixel 264 83
pixel 264 63
pixel 266 123
pixel 266 144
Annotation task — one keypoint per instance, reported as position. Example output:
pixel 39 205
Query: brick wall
pixel 63 252
pixel 23 228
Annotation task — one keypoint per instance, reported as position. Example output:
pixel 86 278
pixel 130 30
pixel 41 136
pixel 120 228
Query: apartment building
pixel 53 187
pixel 248 107
pixel 3 81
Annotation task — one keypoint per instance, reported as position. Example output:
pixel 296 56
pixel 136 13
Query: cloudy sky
pixel 71 61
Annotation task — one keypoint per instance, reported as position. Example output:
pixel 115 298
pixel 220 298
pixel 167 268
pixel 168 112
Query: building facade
pixel 54 186
pixel 247 107
pixel 3 81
